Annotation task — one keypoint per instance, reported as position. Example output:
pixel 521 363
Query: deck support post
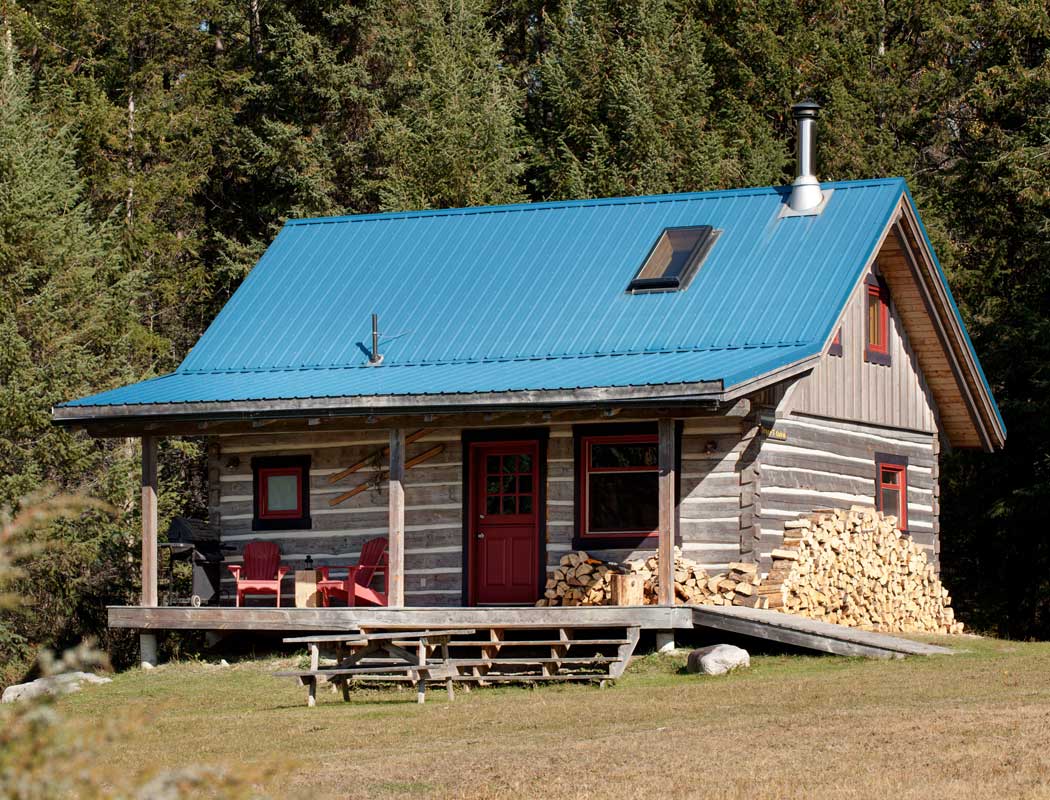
pixel 664 641
pixel 396 525
pixel 665 552
pixel 148 641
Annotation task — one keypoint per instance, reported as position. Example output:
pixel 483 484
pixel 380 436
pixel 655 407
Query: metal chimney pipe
pixel 805 189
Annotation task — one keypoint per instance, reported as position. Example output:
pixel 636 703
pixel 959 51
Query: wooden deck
pixel 769 625
pixel 341 619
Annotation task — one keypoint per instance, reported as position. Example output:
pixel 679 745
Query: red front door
pixel 504 526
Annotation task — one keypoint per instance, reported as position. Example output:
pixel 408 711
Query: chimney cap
pixel 805 109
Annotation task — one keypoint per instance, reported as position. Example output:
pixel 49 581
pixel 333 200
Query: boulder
pixel 53 684
pixel 718 659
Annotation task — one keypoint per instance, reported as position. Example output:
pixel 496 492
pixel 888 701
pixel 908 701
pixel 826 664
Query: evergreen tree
pixel 449 132
pixel 622 104
pixel 65 329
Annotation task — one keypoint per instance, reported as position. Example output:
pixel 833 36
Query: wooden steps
pixel 519 653
pixel 538 642
pixel 495 662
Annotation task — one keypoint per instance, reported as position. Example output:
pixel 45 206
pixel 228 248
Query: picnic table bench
pixel 430 660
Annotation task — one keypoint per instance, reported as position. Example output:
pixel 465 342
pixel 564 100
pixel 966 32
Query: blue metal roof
pixel 530 297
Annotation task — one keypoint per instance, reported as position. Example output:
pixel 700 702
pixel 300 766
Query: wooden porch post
pixel 396 577
pixel 667 511
pixel 149 521
pixel 148 641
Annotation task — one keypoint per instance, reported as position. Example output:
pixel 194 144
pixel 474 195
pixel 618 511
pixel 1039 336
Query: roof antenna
pixel 376 357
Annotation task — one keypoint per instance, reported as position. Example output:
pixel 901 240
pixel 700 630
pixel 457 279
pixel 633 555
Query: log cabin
pixel 491 388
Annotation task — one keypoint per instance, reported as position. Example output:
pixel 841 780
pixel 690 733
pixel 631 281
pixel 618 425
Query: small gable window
pixel 835 349
pixel 281 493
pixel 877 323
pixel 891 487
pixel 674 259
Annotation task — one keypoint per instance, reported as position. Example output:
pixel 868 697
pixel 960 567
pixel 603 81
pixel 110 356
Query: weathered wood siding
pixel 711 516
pixel 710 482
pixel 846 387
pixel 433 507
pixel 830 464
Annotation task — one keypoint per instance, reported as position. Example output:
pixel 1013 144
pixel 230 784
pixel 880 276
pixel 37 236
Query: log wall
pixel 824 464
pixel 433 507
pixel 710 514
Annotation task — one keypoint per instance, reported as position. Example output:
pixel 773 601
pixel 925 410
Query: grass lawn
pixel 974 724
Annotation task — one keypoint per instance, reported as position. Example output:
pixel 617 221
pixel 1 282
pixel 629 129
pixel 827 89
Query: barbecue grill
pixel 196 542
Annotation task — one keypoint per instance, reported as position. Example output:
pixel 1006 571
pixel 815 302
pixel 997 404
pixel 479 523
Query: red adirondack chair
pixel 261 572
pixel 357 584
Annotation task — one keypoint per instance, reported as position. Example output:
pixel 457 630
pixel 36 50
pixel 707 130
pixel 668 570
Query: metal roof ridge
pixel 494 360
pixel 549 205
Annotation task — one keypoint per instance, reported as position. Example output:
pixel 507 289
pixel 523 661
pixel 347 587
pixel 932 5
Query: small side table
pixel 306 594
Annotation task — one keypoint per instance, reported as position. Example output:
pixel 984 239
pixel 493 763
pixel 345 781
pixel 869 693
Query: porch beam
pixel 149 521
pixel 396 526
pixel 412 421
pixel 666 458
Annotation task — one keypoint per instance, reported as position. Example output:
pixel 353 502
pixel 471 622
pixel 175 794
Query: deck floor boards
pixel 769 625
pixel 335 620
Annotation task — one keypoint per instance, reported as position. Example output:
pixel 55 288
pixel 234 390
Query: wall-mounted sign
pixel 767 426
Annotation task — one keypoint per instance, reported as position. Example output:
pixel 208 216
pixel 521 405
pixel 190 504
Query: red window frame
pixel 901 487
pixel 877 352
pixel 586 470
pixel 265 473
pixel 835 348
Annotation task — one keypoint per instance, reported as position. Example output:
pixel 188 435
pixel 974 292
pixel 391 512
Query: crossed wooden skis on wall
pixel 382 474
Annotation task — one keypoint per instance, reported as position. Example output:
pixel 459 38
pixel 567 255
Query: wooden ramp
pixel 810 634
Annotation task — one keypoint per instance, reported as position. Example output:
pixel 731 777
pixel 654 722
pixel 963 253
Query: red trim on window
pixel 899 484
pixel 882 345
pixel 835 348
pixel 586 470
pixel 265 473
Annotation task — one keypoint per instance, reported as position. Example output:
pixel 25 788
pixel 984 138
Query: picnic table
pixel 421 655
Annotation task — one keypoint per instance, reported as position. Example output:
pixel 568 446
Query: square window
pixel 674 259
pixel 281 493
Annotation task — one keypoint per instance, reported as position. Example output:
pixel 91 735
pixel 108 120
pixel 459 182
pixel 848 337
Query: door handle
pixel 481 535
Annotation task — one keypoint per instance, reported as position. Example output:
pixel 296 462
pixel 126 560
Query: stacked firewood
pixel 856 568
pixel 848 567
pixel 581 580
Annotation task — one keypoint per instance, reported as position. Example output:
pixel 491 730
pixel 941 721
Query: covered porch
pixel 448 551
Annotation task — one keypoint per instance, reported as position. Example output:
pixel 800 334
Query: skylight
pixel 674 259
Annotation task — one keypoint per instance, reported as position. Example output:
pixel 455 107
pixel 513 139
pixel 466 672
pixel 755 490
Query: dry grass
pixel 974 724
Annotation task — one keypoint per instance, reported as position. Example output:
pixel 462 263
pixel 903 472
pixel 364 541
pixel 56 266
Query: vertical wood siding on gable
pixel 847 387
pixel 825 464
